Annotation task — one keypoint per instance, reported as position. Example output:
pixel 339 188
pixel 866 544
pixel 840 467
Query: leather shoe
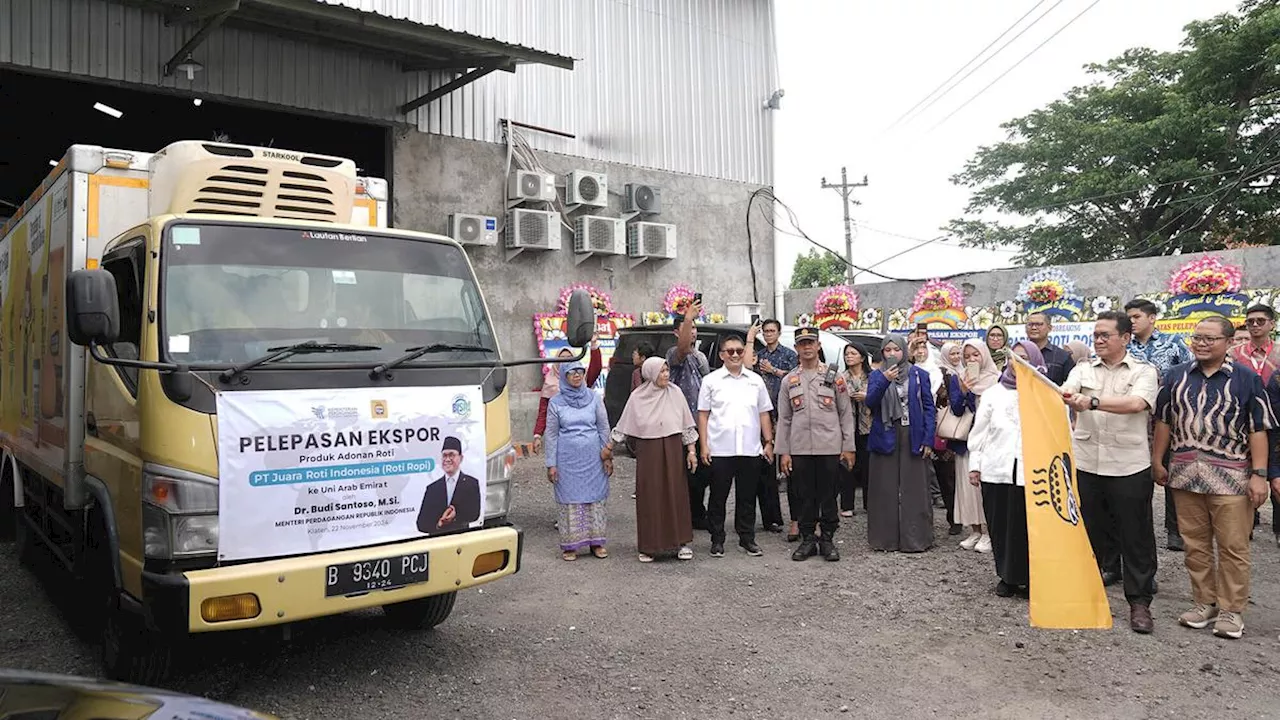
pixel 807 549
pixel 1110 577
pixel 828 551
pixel 1140 619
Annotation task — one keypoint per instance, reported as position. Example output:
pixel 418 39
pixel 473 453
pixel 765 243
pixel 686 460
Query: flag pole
pixel 1039 375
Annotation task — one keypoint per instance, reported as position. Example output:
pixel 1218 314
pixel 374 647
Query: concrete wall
pixel 1124 278
pixel 434 176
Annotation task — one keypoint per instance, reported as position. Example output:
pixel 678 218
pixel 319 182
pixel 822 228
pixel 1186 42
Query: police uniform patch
pixel 794 379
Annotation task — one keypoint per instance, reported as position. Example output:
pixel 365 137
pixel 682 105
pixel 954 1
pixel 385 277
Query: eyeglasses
pixel 1206 339
pixel 1104 335
pixel 1256 321
pixel 1035 324
pixel 733 352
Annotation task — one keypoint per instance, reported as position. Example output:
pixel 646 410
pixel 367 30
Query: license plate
pixel 378 574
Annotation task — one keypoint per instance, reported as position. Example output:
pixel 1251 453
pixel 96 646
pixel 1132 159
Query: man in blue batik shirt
pixel 1164 352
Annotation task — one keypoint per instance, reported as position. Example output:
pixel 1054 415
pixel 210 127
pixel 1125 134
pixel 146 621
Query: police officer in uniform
pixel 815 433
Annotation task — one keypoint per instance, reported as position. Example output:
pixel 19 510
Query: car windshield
pixel 231 292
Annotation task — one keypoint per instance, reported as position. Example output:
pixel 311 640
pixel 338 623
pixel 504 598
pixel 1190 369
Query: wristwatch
pixel 1260 472
pixel 1094 403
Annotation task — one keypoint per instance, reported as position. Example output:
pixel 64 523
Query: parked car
pixel 866 340
pixel 662 337
pixel 32 695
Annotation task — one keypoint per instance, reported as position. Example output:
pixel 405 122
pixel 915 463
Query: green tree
pixel 1164 152
pixel 815 271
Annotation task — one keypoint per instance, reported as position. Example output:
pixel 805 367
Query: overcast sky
pixel 851 67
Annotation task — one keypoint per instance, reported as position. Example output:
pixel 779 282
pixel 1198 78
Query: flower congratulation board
pixel 839 308
pixel 939 303
pixel 1206 286
pixel 549 331
pixel 1050 291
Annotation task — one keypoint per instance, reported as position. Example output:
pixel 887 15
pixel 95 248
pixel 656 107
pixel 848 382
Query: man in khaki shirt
pixel 815 434
pixel 1113 396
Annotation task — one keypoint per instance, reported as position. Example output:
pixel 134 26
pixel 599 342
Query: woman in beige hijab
pixel 968 509
pixel 658 420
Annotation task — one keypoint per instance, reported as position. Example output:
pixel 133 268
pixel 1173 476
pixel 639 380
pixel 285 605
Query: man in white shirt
pixel 734 430
pixel 1113 396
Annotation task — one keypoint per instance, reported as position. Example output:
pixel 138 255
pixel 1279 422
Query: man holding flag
pixel 1113 395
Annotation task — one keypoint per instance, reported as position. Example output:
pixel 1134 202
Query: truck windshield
pixel 232 291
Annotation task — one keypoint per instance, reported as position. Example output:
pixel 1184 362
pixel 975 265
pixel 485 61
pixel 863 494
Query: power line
pixel 989 58
pixel 943 241
pixel 967 64
pixel 1023 59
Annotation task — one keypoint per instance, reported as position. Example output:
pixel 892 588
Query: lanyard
pixel 1258 365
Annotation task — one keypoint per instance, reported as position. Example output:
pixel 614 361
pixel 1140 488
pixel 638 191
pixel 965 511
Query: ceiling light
pixel 197 102
pixel 53 163
pixel 190 66
pixel 108 110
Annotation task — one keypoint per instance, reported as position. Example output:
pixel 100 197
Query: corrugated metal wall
pixel 676 85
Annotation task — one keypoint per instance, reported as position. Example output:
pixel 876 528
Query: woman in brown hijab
pixel 658 420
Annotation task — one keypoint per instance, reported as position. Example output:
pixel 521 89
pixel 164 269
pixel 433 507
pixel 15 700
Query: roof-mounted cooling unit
pixel 589 189
pixel 532 230
pixel 527 185
pixel 645 199
pixel 474 229
pixel 646 240
pixel 598 235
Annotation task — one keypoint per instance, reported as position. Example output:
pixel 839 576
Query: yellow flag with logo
pixel 1066 588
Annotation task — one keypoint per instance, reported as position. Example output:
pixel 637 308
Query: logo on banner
pixel 378 409
pixel 1055 482
pixel 461 406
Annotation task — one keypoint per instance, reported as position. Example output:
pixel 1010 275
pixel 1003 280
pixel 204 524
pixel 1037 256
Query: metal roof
pixel 416 46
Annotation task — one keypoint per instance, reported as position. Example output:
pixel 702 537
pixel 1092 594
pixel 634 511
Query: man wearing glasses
pixel 1261 355
pixel 774 362
pixel 1057 361
pixel 1214 415
pixel 1113 395
pixel 1163 351
pixel 735 432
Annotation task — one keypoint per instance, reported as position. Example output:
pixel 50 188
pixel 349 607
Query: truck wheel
pixel 131 652
pixel 8 517
pixel 421 613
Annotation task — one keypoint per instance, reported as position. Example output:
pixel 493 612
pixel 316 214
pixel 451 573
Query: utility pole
pixel 845 188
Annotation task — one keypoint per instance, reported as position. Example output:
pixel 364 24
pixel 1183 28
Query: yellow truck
pixel 231 398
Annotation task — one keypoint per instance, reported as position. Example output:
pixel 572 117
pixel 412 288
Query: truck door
pixel 113 452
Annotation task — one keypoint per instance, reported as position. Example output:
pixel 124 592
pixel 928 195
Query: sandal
pixel 646 558
pixel 846 513
pixel 686 553
pixel 600 552
pixel 569 556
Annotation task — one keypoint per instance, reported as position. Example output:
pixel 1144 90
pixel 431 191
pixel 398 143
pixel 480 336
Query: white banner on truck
pixel 304 471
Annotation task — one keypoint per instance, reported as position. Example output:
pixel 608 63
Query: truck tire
pixel 131 652
pixel 8 516
pixel 421 613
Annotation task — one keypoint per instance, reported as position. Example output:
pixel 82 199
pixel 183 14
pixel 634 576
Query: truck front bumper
pixel 292 589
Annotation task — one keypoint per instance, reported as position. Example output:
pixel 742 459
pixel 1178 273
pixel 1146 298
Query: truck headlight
pixel 497 495
pixel 179 513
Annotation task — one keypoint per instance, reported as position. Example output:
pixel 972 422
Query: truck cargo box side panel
pixel 32 381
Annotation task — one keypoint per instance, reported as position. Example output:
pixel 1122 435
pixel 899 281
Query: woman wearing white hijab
pixel 658 419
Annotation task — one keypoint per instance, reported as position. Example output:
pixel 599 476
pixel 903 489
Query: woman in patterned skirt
pixel 577 431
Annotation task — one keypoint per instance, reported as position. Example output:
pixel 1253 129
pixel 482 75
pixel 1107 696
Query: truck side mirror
pixel 93 311
pixel 580 324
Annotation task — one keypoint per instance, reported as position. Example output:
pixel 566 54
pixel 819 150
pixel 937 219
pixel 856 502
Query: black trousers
pixel 946 472
pixel 767 493
pixel 744 473
pixel 853 480
pixel 1122 505
pixel 699 481
pixel 814 478
pixel 1006 509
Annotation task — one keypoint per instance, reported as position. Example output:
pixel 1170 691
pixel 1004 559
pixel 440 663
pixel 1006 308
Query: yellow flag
pixel 1066 588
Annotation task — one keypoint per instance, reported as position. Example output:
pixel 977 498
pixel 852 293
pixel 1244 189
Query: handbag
pixel 952 426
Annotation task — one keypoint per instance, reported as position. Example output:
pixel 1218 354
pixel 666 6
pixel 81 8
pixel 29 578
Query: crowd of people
pixel 922 428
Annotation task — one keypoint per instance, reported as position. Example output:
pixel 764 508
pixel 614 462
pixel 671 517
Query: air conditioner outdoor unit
pixel 533 230
pixel 526 185
pixel 645 199
pixel 651 240
pixel 588 188
pixel 474 229
pixel 599 235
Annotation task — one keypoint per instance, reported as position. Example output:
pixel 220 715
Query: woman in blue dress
pixel 577 432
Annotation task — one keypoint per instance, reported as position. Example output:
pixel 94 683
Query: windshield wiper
pixel 415 353
pixel 284 351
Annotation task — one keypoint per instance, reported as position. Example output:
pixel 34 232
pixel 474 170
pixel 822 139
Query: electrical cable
pixel 923 100
pixel 1023 59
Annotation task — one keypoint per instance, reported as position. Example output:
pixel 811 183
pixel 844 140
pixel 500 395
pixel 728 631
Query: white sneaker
pixel 984 544
pixel 969 542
